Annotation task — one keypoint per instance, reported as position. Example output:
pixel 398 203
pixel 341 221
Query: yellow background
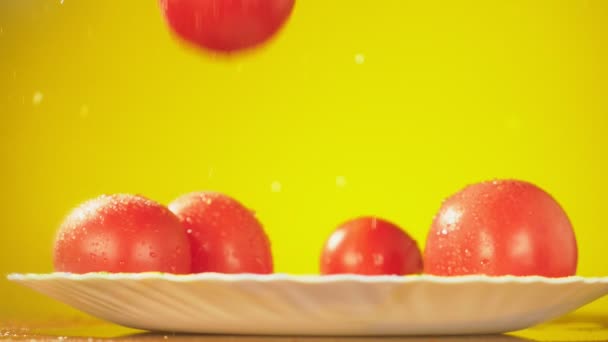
pixel 357 107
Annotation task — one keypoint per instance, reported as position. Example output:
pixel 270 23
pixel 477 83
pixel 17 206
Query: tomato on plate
pixel 225 236
pixel 503 227
pixel 370 246
pixel 121 233
pixel 226 25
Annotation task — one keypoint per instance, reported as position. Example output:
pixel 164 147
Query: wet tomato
pixel 370 246
pixel 503 227
pixel 121 233
pixel 225 236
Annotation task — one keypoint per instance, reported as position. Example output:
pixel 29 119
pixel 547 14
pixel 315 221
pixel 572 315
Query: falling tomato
pixel 226 25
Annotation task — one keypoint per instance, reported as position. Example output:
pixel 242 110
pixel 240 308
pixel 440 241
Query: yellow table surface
pixel 573 327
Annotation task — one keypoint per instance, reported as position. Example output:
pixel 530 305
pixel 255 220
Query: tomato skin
pixel 226 25
pixel 370 246
pixel 503 227
pixel 225 236
pixel 121 233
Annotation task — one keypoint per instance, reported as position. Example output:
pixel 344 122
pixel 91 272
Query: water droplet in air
pixel 275 186
pixel 359 58
pixel 84 111
pixel 37 98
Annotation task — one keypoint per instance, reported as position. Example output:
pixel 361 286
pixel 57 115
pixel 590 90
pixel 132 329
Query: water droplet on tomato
pixel 378 259
pixel 153 254
pixel 189 231
pixel 484 262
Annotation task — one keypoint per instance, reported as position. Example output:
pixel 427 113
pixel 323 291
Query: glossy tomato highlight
pixel 503 227
pixel 226 25
pixel 370 246
pixel 225 236
pixel 121 233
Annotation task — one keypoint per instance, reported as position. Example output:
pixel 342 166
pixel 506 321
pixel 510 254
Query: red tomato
pixel 226 25
pixel 370 246
pixel 225 237
pixel 504 227
pixel 121 233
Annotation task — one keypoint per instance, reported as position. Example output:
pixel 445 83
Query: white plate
pixel 319 305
